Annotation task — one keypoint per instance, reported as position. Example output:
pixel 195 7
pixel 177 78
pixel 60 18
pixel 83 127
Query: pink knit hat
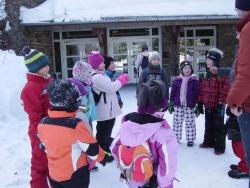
pixel 95 59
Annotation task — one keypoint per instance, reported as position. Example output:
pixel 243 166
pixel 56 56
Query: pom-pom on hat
pixel 34 59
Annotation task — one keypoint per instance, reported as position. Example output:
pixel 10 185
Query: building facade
pixel 176 39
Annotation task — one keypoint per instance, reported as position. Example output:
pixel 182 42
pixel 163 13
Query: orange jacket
pixel 239 94
pixel 69 144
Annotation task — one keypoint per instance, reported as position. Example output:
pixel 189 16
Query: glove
pixel 171 107
pixel 123 79
pixel 199 107
pixel 221 110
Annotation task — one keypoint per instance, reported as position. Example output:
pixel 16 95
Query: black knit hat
pixel 107 61
pixel 242 5
pixel 144 47
pixel 216 55
pixel 186 63
pixel 34 60
pixel 63 96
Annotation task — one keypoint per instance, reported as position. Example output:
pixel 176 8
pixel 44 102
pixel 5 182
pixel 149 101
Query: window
pixel 78 34
pixel 129 32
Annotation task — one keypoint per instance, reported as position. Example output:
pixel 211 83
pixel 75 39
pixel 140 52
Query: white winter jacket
pixel 110 109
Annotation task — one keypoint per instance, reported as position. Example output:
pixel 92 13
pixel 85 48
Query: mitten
pixel 171 107
pixel 200 108
pixel 123 79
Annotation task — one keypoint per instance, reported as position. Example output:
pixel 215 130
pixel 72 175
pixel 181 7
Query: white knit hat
pixel 154 55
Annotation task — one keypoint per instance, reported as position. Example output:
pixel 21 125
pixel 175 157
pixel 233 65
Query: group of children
pixel 145 149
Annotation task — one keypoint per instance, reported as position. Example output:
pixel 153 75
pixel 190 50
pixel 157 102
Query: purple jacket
pixel 192 92
pixel 136 129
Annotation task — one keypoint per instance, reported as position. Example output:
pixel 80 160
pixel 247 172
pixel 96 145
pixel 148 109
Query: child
pixel 36 104
pixel 110 71
pixel 213 93
pixel 240 170
pixel 70 146
pixel 147 129
pixel 83 73
pixel 184 96
pixel 154 71
pixel 141 60
pixel 107 106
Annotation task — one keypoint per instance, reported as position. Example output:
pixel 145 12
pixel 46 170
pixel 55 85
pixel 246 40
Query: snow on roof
pixel 89 10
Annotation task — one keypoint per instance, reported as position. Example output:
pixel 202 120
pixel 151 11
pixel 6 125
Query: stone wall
pixel 226 41
pixel 170 50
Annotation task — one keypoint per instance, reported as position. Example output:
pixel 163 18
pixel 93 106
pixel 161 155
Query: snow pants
pixel 186 114
pixel 103 133
pixel 215 130
pixel 39 162
pixel 239 151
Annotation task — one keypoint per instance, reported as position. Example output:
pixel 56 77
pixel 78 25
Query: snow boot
pixel 190 143
pixel 237 174
pixel 234 167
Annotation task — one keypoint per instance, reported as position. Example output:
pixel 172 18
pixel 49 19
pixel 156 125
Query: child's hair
pixel 152 96
pixel 63 96
pixel 186 63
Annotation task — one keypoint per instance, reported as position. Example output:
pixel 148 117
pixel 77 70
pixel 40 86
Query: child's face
pixel 210 63
pixel 156 61
pixel 44 71
pixel 101 67
pixel 112 66
pixel 187 70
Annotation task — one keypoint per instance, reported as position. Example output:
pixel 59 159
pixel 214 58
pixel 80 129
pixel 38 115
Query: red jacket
pixel 213 90
pixel 35 100
pixel 239 94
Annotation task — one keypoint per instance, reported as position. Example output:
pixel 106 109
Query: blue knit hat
pixel 242 5
pixel 34 60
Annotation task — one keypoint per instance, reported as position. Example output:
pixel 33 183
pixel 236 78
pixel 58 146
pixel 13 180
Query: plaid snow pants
pixel 187 114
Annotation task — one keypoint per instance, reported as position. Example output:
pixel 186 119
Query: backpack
pixel 135 162
pixel 97 97
pixel 144 62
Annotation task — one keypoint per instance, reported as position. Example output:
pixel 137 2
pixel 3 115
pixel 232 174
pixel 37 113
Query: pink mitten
pixel 123 79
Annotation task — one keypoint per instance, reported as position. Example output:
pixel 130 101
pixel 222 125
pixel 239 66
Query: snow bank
pixel 81 10
pixel 12 80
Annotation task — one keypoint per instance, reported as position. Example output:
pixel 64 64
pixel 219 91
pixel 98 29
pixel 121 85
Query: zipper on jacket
pixel 111 110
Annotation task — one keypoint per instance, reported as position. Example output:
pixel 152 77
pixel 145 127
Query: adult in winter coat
pixel 36 104
pixel 239 95
pixel 213 92
pixel 107 106
pixel 142 60
pixel 148 126
pixel 184 96
pixel 71 148
pixel 154 71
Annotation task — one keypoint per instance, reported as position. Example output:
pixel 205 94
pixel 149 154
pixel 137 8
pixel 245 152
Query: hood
pixel 137 128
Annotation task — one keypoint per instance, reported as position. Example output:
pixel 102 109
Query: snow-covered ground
pixel 89 10
pixel 197 168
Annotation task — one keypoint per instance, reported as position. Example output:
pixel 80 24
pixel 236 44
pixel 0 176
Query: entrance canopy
pixel 65 11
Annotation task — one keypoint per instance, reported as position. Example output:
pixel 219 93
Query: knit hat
pixel 63 96
pixel 108 61
pixel 34 60
pixel 144 47
pixel 95 59
pixel 242 5
pixel 216 55
pixel 152 96
pixel 186 63
pixel 83 72
pixel 154 55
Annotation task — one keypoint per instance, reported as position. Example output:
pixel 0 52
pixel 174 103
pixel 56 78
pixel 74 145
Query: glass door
pixel 125 52
pixel 75 51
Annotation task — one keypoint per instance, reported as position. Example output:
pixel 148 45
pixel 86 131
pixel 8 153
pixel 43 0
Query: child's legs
pixel 239 152
pixel 104 131
pixel 178 122
pixel 55 184
pixel 209 128
pixel 219 132
pixel 39 164
pixel 136 184
pixel 190 124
